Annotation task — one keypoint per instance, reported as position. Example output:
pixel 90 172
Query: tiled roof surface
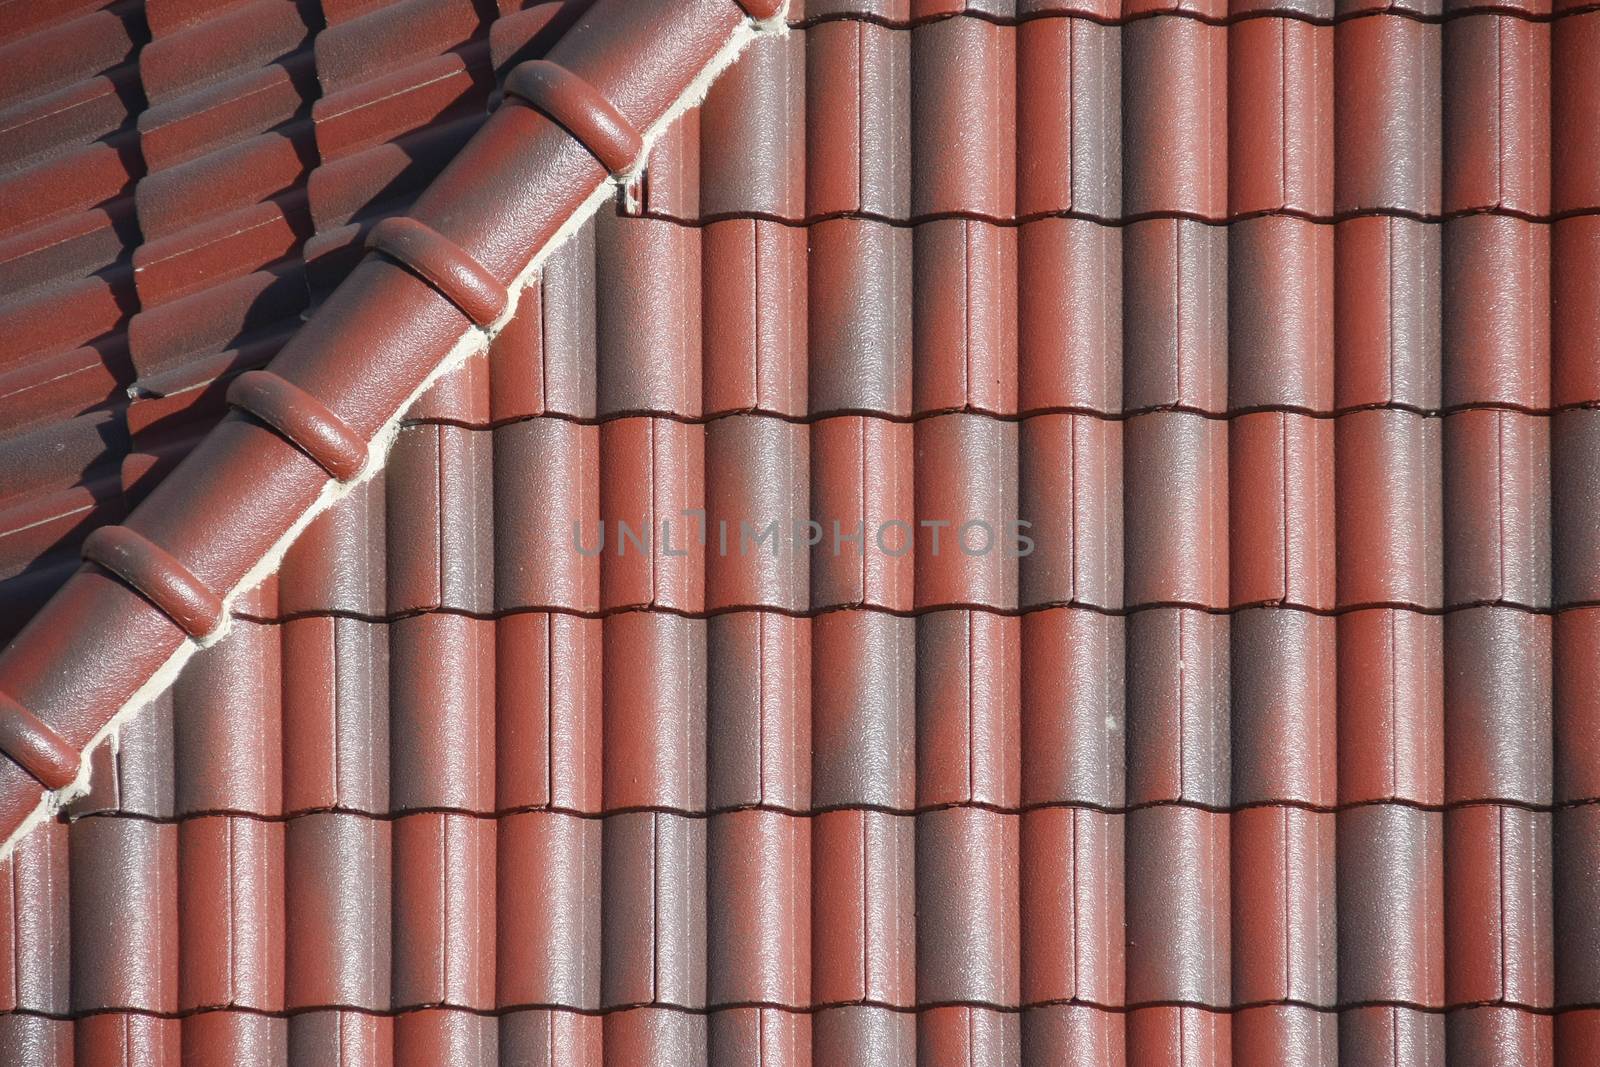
pixel 1281 747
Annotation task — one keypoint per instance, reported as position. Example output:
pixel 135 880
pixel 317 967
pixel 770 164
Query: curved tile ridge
pixel 442 264
pixel 101 648
pixel 157 575
pixel 303 419
pixel 35 747
pixel 581 108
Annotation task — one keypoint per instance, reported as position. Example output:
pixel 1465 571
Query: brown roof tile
pixel 1276 747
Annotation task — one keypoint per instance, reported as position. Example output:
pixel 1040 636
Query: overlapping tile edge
pixel 754 18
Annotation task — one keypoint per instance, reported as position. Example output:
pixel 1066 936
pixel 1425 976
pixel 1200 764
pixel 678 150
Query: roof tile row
pixel 1070 706
pixel 1374 507
pixel 1268 905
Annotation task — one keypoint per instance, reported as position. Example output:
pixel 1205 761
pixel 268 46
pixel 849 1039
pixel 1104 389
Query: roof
pixel 1276 745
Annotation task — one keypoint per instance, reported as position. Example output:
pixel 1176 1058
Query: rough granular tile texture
pixel 558 743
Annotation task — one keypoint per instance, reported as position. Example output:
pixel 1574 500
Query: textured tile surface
pixel 1277 747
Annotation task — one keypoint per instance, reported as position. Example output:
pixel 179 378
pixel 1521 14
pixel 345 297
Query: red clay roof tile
pixel 1274 748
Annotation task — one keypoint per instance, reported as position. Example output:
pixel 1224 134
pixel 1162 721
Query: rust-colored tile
pixel 647 332
pixel 335 714
pixel 1078 1035
pixel 444 911
pixel 654 1036
pixel 441 519
pixel 1391 910
pixel 758 909
pixel 1073 707
pixel 1175 510
pixel 548 930
pixel 337 903
pixel 1388 503
pixel 653 912
pixel 960 1033
pixel 1576 705
pixel 230 914
pixel 547 514
pixel 1178 739
pixel 965 318
pixel 1281 521
pixel 861 317
pixel 1069 314
pixel 1391 706
pixel 227 725
pixel 863 910
pixel 1174 315
pixel 1284 711
pixel 126 1039
pixel 655 711
pixel 229 1037
pixel 756 498
pixel 966 496
pixel 653 536
pixel 1070 878
pixel 1575 298
pixel 1069 129
pixel 963 118
pixel 1070 495
pixel 863 726
pixel 1497 508
pixel 969 667
pixel 1287 1033
pixel 1496 129
pixel 1175 117
pixel 1574 114
pixel 1280 116
pixel 1492 1034
pixel 543 361
pixel 754 317
pixel 128 957
pixel 1387 278
pixel 1178 930
pixel 1497 697
pixel 1496 336
pixel 1387 125
pixel 442 713
pixel 1178 1036
pixel 758 711
pixel 552 1038
pixel 1284 909
pixel 35 932
pixel 1280 314
pixel 753 133
pixel 858 120
pixel 339 564
pixel 862 478
pixel 445 1035
pixel 1497 906
pixel 548 712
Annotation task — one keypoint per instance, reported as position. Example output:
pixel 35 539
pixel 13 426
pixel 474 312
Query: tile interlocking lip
pixel 432 290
